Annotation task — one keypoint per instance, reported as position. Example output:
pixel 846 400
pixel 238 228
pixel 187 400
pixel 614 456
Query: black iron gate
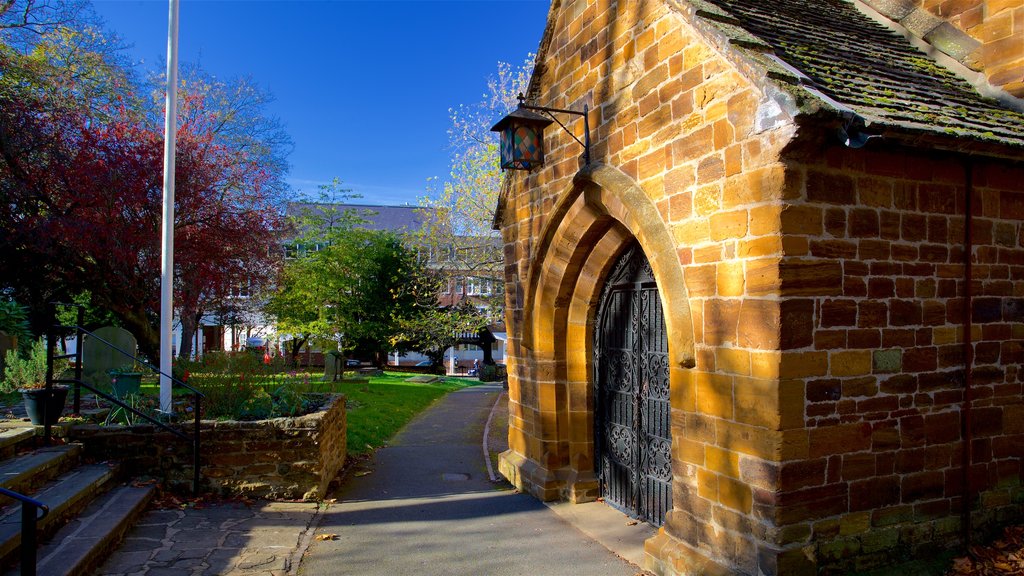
pixel 632 414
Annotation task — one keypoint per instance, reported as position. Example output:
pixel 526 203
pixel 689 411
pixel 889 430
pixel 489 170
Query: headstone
pixel 98 357
pixel 332 365
pixel 6 343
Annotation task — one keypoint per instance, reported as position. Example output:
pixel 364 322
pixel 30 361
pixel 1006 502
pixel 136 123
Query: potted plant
pixel 125 380
pixel 28 376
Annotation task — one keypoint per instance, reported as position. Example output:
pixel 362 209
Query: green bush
pixel 14 321
pixel 239 388
pixel 492 373
pixel 28 371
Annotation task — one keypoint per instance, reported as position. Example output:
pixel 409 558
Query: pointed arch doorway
pixel 632 416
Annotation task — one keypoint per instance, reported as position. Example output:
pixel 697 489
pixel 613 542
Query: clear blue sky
pixel 362 87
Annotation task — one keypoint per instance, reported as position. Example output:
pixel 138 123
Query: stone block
pixel 850 363
pixel 810 277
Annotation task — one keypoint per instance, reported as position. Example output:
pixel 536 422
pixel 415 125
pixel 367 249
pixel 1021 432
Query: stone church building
pixel 780 314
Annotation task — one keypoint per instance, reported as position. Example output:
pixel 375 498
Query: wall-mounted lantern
pixel 522 135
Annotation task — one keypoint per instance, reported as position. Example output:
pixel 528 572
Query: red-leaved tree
pixel 82 190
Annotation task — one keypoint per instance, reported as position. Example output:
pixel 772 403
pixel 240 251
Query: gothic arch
pixel 588 228
pixel 603 199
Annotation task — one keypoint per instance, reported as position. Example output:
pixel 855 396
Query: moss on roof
pixel 865 66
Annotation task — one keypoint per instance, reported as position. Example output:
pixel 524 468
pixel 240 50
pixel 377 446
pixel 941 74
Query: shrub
pixel 28 371
pixel 14 321
pixel 492 373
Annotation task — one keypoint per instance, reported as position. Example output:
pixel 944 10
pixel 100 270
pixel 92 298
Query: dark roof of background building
pixel 862 65
pixel 377 217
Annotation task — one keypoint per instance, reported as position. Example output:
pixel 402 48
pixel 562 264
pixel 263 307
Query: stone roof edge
pixel 756 60
pixel 759 63
pixel 950 47
pixel 928 28
pixel 532 91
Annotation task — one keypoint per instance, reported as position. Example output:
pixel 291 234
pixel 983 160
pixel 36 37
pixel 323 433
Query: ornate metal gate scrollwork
pixel 632 414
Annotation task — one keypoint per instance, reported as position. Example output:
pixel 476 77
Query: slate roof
pixel 377 217
pixel 863 65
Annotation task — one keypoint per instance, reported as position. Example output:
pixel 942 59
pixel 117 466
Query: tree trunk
pixel 294 348
pixel 189 326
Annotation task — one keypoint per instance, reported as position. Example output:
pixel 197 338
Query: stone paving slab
pixel 258 539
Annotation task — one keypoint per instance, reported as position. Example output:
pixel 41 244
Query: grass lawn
pixel 378 409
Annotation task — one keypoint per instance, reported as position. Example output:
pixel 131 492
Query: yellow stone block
pixel 802 219
pixel 712 253
pixel 714 394
pixel 682 395
pixel 764 246
pixel 724 462
pixel 765 364
pixel 946 335
pixel 692 232
pixel 850 363
pixel 791 404
pixel 732 361
pixel 803 364
pixel 707 200
pixel 731 281
pixel 757 402
pixel 707 484
pixel 735 494
pixel 701 281
pixel 855 523
pixel 726 225
pixel 795 444
pixel 763 277
pixel 764 220
pixel 689 451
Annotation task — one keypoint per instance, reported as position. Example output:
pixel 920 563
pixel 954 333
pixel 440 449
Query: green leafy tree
pixel 347 285
pixel 434 330
pixel 458 232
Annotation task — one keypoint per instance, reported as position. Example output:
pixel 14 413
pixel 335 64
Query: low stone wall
pixel 279 458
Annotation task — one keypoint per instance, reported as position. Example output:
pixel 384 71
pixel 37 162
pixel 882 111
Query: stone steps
pixel 89 512
pixel 85 542
pixel 66 496
pixel 13 437
pixel 31 470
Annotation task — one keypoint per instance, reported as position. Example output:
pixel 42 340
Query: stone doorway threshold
pixel 617 532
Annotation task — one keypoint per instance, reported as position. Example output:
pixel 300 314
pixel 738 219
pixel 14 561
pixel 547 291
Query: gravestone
pixel 6 343
pixel 98 357
pixel 332 366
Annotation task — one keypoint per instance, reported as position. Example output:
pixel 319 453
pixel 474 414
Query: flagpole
pixel 167 235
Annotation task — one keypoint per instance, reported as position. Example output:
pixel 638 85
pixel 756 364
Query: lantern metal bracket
pixel 551 113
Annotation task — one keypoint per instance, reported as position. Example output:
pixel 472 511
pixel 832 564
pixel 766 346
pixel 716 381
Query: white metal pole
pixel 167 258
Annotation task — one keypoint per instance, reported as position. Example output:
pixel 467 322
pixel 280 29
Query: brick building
pixel 751 320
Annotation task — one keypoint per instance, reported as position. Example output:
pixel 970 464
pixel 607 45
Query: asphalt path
pixel 425 506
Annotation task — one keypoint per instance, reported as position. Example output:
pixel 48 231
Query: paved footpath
pixel 424 505
pixel 429 508
pixel 228 538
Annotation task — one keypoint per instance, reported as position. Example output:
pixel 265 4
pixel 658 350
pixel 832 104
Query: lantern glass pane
pixel 528 146
pixel 507 158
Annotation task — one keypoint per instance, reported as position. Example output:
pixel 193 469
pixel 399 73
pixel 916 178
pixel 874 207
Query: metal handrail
pixel 29 517
pixel 78 382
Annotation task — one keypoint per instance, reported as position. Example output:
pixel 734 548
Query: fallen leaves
pixel 326 536
pixel 1002 557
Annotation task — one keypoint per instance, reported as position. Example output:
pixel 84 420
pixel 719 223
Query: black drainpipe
pixel 968 352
